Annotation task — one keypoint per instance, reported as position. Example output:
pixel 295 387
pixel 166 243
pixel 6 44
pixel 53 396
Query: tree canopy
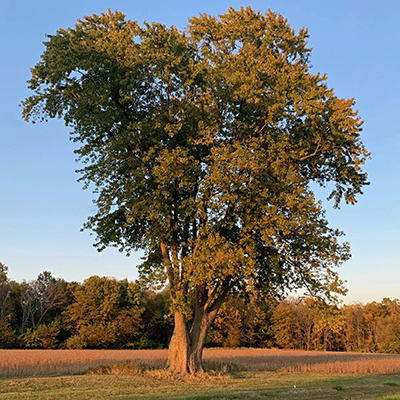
pixel 201 146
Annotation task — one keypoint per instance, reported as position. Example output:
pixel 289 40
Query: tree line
pixel 105 313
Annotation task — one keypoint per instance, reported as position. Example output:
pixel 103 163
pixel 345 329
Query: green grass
pixel 390 397
pixel 238 385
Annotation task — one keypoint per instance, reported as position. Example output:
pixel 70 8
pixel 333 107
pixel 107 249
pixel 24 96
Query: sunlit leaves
pixel 103 311
pixel 201 146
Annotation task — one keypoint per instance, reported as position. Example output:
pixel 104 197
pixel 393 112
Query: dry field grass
pixel 28 363
pixel 25 363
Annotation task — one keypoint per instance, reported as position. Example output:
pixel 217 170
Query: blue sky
pixel 42 207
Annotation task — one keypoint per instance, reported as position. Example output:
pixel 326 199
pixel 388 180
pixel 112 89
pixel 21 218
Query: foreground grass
pixel 238 385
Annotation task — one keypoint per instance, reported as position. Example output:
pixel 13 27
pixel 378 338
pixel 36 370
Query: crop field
pixel 29 363
pixel 231 374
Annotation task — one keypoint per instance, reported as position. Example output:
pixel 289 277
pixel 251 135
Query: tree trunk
pixel 197 337
pixel 185 351
pixel 179 346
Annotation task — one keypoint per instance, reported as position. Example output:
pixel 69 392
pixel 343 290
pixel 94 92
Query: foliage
pixel 7 334
pixel 43 337
pixel 39 298
pixel 104 312
pixel 5 290
pixel 228 327
pixel 355 336
pixel 6 331
pixel 257 322
pixel 243 322
pixel 388 327
pixel 285 326
pixel 327 327
pixel 157 321
pixel 204 143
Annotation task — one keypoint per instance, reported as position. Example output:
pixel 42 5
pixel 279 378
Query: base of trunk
pixel 178 355
pixel 186 348
pixel 183 357
pixel 183 360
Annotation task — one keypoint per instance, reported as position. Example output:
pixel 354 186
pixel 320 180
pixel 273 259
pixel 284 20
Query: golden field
pixel 29 363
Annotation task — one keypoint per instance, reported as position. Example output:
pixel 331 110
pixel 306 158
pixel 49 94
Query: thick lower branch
pixel 167 261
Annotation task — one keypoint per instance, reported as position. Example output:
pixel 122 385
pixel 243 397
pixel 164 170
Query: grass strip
pixel 251 385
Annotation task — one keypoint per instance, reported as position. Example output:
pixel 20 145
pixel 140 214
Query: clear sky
pixel 42 207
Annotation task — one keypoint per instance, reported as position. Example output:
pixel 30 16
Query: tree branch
pixel 315 152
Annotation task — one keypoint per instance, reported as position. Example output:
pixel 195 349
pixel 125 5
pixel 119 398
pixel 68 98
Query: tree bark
pixel 185 351
pixel 197 337
pixel 179 346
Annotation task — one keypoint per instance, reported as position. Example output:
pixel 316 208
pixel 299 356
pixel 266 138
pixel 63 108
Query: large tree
pixel 201 146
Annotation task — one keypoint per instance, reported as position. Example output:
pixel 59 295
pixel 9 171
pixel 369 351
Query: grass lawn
pixel 237 385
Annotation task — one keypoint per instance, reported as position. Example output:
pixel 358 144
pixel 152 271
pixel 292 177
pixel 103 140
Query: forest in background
pixel 106 313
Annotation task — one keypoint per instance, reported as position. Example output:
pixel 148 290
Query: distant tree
pixel 257 321
pixel 387 334
pixel 305 316
pixel 44 336
pixel 202 146
pixel 228 327
pixel 157 320
pixel 5 290
pixel 327 326
pixel 105 313
pixel 285 325
pixel 373 314
pixel 355 332
pixel 39 297
pixel 6 331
